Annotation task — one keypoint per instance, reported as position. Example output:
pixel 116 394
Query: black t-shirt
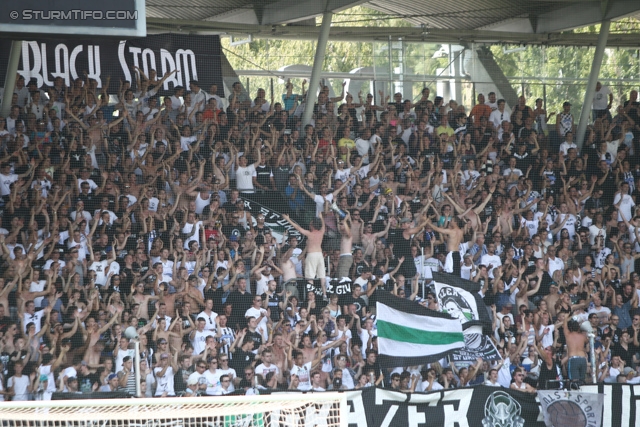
pixel 4 323
pixel 359 302
pixel 274 305
pixel 545 285
pixel 625 354
pixel 255 337
pixel 240 360
pixel 263 175
pixel 240 303
pixel 230 207
pixel 233 230
pixel 86 382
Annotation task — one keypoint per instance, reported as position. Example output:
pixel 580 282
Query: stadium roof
pixel 507 21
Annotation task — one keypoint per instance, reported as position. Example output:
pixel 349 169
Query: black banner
pixel 194 58
pixel 273 219
pixel 466 407
pixel 479 406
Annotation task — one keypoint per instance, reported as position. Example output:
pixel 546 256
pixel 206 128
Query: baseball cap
pixel 164 356
pixel 405 220
pixel 233 238
pixel 565 103
pixel 70 379
pixel 111 376
pixel 192 381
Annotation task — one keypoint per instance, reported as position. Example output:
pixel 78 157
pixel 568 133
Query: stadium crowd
pixel 135 213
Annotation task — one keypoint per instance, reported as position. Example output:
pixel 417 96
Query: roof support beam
pixel 591 84
pixel 318 62
pixel 10 77
pixel 589 13
pixel 286 11
pixel 408 34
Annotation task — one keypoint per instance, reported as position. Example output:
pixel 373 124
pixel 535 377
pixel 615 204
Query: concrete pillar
pixel 318 60
pixel 10 77
pixel 591 84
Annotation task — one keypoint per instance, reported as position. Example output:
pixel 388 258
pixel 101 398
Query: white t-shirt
pixel 46 370
pixel 100 267
pixel 261 328
pixel 304 375
pixel 509 171
pixel 565 146
pixel 213 379
pixel 5 182
pixel 37 287
pixel 494 260
pixel 263 370
pixel 164 383
pixel 36 318
pixel 601 98
pixel 626 206
pixel 196 235
pixel 554 265
pixel 19 385
pixel 92 184
pixel 210 324
pixel 244 178
pixel 200 339
pixel 570 225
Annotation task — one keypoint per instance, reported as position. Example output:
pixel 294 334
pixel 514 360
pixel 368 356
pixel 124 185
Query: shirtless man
pixel 91 335
pixel 576 341
pixel 279 351
pixel 94 128
pixel 469 213
pixel 4 292
pixel 346 246
pixel 314 262
pixel 455 236
pixel 139 297
pixel 309 353
pixel 369 238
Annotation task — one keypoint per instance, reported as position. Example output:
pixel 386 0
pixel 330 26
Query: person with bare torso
pixel 346 246
pixel 576 341
pixel 314 262
pixel 455 236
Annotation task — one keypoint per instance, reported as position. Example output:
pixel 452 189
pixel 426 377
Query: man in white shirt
pixel 492 381
pixel 164 373
pixel 302 370
pixel 13 119
pixel 213 90
pixel 199 336
pixel 512 173
pixel 19 384
pixel 567 144
pixel 376 138
pixel 363 145
pixel 176 98
pixel 7 178
pixel 198 97
pixel 316 382
pixel 603 313
pixel 490 259
pixel 209 315
pixel 555 263
pixel 267 366
pixel 498 116
pixel 626 202
pixel 491 102
pixel 602 100
pixel 245 173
